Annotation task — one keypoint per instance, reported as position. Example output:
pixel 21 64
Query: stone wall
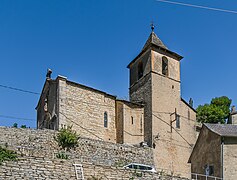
pixel 84 108
pixel 47 106
pixel 41 143
pixel 207 152
pixel 230 158
pixel 130 122
pixel 161 97
pixel 43 168
pixel 36 158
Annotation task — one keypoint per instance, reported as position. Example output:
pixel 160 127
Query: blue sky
pixel 91 42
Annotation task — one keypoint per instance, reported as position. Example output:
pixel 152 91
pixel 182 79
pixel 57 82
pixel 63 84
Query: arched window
pixel 164 66
pixel 140 70
pixel 105 119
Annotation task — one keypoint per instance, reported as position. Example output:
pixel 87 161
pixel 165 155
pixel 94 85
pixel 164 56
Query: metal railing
pixel 195 176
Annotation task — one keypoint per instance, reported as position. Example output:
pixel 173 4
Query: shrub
pixel 94 178
pixel 61 155
pixel 23 126
pixel 15 125
pixel 7 155
pixel 67 138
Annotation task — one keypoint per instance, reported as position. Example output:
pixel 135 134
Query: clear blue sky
pixel 91 42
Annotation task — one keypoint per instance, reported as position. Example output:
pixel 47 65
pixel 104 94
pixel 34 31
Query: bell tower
pixel 154 80
pixel 169 121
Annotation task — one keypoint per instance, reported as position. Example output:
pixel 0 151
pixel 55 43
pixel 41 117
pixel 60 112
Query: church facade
pixel 156 114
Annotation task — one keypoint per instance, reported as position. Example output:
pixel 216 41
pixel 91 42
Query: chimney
pixel 233 116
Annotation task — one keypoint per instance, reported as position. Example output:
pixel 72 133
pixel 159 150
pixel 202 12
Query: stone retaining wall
pixel 41 143
pixel 43 168
pixel 36 151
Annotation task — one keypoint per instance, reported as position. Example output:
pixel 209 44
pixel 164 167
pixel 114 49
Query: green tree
pixel 217 111
pixel 23 126
pixel 15 125
pixel 67 138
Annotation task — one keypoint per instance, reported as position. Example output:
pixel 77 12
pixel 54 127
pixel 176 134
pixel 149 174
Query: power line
pixel 17 89
pixel 80 126
pixel 198 6
pixel 188 118
pixel 19 118
pixel 173 129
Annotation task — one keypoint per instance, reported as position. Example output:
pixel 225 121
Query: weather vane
pixel 152 26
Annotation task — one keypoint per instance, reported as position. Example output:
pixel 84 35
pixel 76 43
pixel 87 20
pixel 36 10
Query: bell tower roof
pixel 156 44
pixel 153 39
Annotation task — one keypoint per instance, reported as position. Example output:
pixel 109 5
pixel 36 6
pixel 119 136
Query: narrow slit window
pixel 105 119
pixel 140 70
pixel 178 121
pixel 164 66
pixel 132 119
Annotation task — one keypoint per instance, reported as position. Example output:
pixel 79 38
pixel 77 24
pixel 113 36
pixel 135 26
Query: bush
pixel 7 155
pixel 23 126
pixel 67 138
pixel 15 125
pixel 94 178
pixel 61 155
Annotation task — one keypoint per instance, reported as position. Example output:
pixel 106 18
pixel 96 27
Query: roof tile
pixel 227 130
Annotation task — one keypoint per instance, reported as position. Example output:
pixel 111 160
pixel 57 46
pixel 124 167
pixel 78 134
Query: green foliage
pixel 23 126
pixel 15 125
pixel 94 178
pixel 61 155
pixel 217 111
pixel 7 155
pixel 67 138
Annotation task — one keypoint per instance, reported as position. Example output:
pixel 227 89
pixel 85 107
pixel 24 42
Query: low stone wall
pixel 43 168
pixel 36 158
pixel 41 143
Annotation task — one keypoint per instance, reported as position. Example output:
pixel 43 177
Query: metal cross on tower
pixel 152 26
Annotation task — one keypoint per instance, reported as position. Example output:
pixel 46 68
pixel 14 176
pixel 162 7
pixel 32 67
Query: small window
pixel 105 119
pixel 140 70
pixel 164 66
pixel 178 121
pixel 132 119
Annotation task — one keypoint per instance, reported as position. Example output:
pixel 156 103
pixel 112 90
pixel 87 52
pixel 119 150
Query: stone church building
pixel 156 114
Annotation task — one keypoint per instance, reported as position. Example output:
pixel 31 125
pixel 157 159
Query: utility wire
pixel 19 118
pixel 198 6
pixel 173 129
pixel 17 89
pixel 80 126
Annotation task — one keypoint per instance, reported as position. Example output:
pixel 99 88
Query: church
pixel 155 115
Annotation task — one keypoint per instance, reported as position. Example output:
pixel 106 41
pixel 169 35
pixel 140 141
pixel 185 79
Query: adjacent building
pixel 214 153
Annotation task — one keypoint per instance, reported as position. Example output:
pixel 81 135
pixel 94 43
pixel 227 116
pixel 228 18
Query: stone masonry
pixel 156 112
pixel 169 122
pixel 36 151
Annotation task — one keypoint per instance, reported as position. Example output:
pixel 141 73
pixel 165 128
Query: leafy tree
pixel 23 126
pixel 67 138
pixel 217 111
pixel 15 125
